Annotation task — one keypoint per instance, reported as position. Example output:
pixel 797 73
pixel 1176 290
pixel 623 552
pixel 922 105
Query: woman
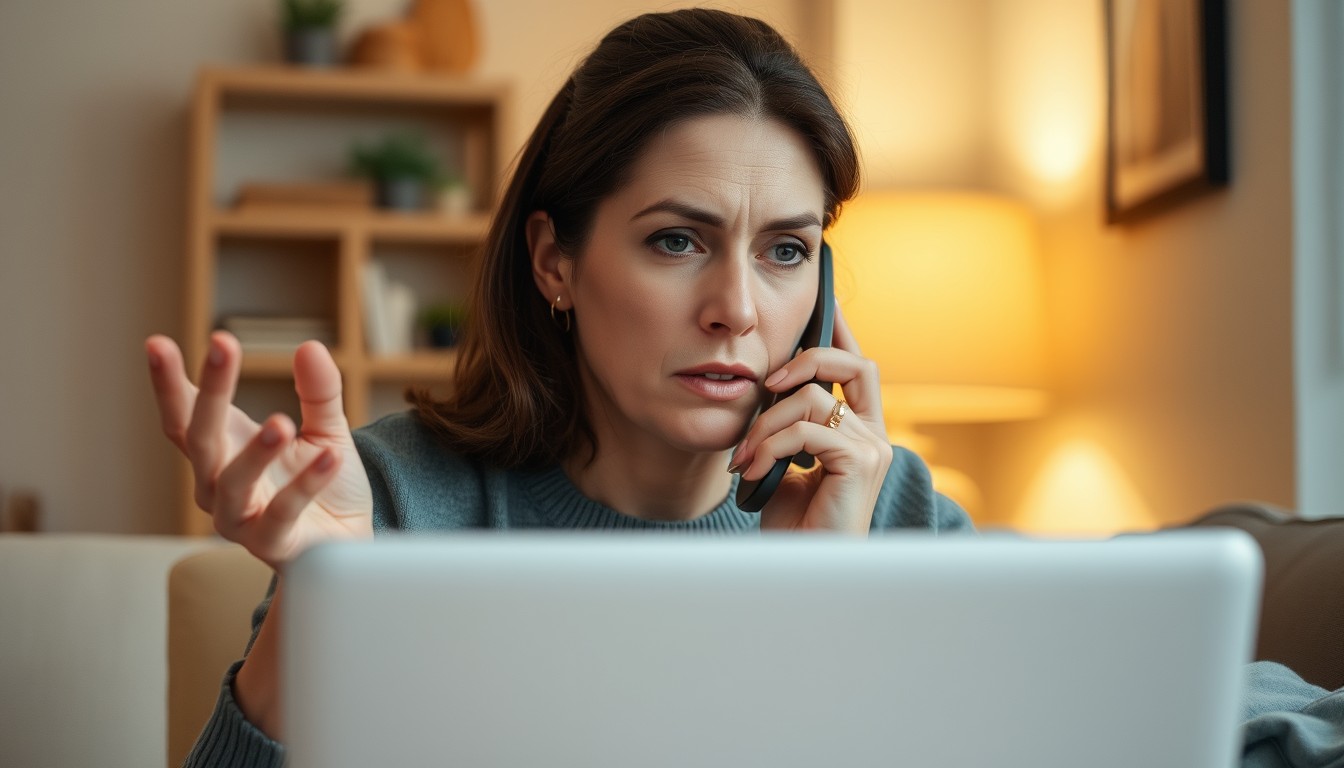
pixel 641 293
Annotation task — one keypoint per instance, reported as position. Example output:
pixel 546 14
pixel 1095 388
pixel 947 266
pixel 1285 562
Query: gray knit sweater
pixel 418 485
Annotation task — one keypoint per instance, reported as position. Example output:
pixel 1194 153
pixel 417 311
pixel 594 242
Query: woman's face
pixel 697 280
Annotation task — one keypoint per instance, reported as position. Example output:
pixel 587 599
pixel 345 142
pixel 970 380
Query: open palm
pixel 274 488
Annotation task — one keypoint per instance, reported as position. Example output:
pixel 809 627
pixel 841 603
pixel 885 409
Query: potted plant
pixel 454 196
pixel 444 323
pixel 402 169
pixel 310 31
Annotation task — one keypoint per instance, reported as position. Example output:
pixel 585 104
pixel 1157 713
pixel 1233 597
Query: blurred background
pixel 1162 366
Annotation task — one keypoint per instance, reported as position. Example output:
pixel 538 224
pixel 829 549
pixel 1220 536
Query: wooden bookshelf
pixel 336 241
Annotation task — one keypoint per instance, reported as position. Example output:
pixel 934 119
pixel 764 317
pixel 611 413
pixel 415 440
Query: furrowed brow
pixel 683 210
pixel 801 221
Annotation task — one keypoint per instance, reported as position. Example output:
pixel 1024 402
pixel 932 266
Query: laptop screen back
pixel 575 650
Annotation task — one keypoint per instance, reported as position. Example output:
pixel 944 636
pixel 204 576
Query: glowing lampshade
pixel 944 291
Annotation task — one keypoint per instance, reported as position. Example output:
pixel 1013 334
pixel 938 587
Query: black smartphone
pixel 753 494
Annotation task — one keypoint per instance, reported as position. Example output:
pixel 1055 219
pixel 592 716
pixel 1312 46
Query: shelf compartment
pixel 302 223
pixel 270 277
pixel 289 84
pixel 420 366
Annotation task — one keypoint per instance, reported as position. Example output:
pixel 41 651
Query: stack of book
pixel 278 335
pixel 389 312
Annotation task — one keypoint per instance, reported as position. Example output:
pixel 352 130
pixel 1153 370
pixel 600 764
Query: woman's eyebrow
pixel 801 221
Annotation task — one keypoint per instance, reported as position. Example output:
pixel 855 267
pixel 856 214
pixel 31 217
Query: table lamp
pixel 944 292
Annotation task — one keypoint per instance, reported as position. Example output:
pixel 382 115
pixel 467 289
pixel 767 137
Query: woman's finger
pixel 237 483
pixel 843 336
pixel 207 444
pixel 857 376
pixel 173 391
pixel 811 404
pixel 837 452
pixel 285 508
pixel 317 381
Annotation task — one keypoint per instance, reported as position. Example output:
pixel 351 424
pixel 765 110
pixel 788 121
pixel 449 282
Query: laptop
pixel 784 651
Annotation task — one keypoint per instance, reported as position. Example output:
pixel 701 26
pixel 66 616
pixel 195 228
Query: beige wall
pixel 92 142
pixel 912 77
pixel 1172 336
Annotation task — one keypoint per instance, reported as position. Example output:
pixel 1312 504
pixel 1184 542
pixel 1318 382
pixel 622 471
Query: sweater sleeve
pixel 1288 722
pixel 228 738
pixel 907 499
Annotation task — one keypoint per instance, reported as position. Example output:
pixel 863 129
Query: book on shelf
pixel 261 334
pixel 389 312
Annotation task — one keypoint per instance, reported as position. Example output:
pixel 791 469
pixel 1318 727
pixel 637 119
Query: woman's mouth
pixel 718 386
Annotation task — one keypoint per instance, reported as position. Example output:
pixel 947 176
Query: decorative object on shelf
pixel 322 194
pixel 1167 133
pixel 436 36
pixel 310 32
pixel 443 322
pixel 23 513
pixel 402 168
pixel 453 196
pixel 388 47
pixel 447 34
pixel 945 292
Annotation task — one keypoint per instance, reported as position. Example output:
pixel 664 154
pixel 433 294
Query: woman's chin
pixel 708 435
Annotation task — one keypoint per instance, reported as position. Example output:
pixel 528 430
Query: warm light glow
pixel 1082 492
pixel 1048 94
pixel 944 292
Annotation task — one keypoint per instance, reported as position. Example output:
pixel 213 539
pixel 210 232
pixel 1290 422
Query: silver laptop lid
pixel 577 650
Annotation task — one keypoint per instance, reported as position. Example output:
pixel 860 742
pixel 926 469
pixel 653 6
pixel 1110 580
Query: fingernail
pixel 325 461
pixel 737 452
pixel 270 436
pixel 216 354
pixel 776 377
pixel 155 362
pixel 733 469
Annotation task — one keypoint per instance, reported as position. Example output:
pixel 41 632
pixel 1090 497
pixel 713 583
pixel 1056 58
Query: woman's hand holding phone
pixel 853 457
pixel 274 488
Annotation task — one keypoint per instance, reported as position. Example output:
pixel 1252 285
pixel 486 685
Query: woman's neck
pixel 651 482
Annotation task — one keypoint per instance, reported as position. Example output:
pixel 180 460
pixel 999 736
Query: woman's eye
pixel 787 253
pixel 676 244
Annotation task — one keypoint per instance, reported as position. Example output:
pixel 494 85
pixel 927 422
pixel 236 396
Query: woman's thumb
pixel 318 383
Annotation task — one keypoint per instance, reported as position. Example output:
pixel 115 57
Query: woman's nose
pixel 728 297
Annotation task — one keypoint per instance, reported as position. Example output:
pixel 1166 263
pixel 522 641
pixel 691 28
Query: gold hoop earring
pixel 563 312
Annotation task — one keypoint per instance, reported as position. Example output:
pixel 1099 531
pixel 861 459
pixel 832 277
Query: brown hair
pixel 517 398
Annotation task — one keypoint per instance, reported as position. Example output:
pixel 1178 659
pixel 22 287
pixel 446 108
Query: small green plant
pixel 443 316
pixel 310 14
pixel 400 156
pixel 444 323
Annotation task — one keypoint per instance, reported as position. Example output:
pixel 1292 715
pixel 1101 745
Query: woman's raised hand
pixel 854 453
pixel 271 487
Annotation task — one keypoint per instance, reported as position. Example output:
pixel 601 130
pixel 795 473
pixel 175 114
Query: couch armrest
pixel 211 596
pixel 1302 609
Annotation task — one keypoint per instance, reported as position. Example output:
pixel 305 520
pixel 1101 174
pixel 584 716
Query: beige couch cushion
pixel 211 596
pixel 82 643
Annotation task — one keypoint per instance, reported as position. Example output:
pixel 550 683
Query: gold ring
pixel 837 413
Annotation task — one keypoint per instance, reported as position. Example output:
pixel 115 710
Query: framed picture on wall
pixel 1167 103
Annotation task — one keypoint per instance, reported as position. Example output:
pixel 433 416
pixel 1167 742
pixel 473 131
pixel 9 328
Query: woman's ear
pixel 551 268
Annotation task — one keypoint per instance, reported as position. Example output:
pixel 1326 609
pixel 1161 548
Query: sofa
pixel 87 646
pixel 112 647
pixel 83 639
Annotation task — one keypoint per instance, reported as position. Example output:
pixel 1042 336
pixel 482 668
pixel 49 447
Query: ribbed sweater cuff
pixel 230 740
